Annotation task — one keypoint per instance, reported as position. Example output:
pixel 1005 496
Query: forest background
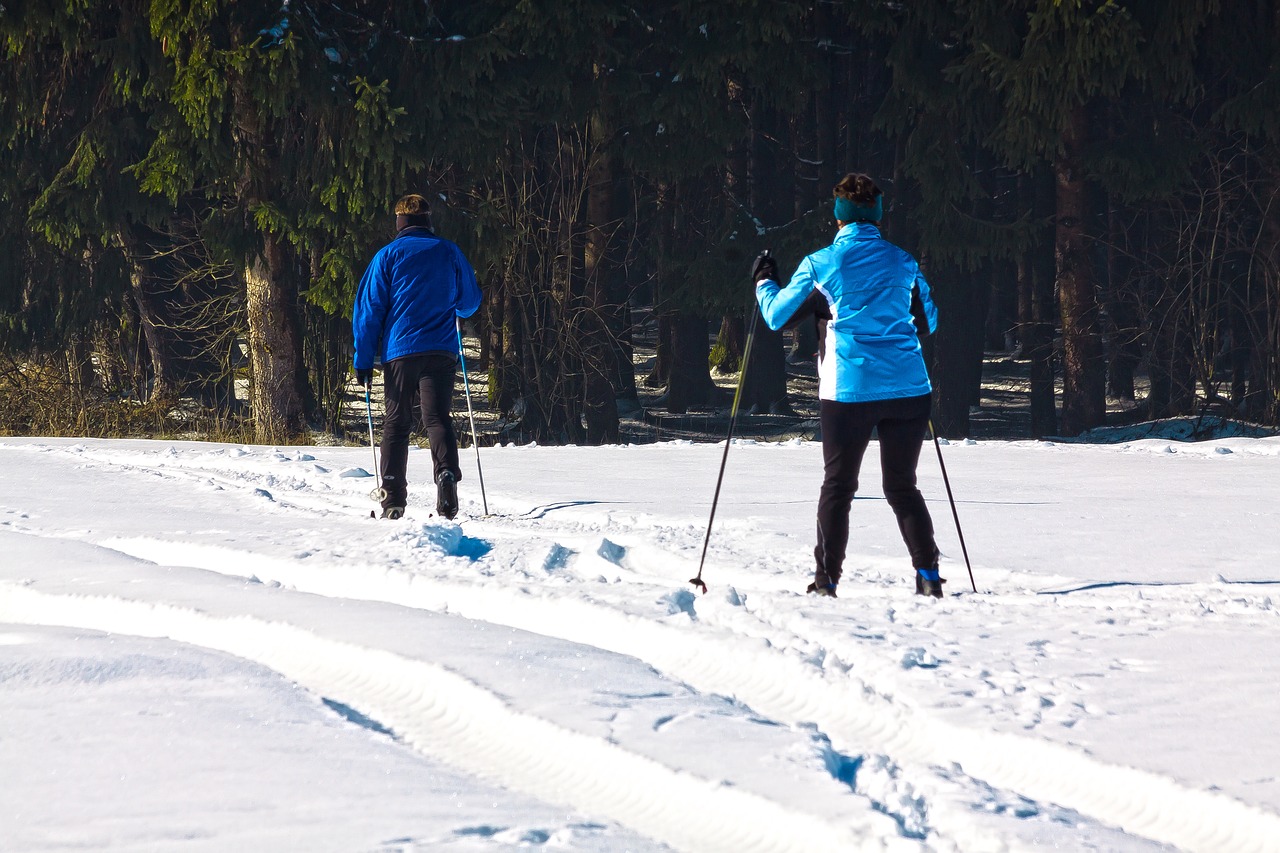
pixel 189 192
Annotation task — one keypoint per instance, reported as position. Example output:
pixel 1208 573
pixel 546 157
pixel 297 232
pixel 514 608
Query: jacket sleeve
pixel 779 304
pixel 923 311
pixel 468 294
pixel 370 312
pixel 815 306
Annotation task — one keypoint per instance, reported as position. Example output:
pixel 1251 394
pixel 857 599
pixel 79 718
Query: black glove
pixel 365 377
pixel 764 267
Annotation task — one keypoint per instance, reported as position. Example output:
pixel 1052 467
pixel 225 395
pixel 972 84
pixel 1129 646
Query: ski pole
pixel 466 386
pixel 938 446
pixel 733 419
pixel 379 494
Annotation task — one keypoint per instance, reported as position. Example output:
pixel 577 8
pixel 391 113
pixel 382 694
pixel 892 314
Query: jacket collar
pixel 857 231
pixel 415 231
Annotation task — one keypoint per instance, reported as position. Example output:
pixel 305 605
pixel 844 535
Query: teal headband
pixel 847 211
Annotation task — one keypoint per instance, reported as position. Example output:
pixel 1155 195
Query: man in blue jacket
pixel 871 373
pixel 406 310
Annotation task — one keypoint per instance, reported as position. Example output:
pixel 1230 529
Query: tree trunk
pixel 600 401
pixel 628 394
pixel 1263 397
pixel 726 355
pixel 80 371
pixel 154 321
pixel 826 115
pixel 770 190
pixel 690 382
pixel 1036 308
pixel 504 376
pixel 1170 362
pixel 806 159
pixel 660 374
pixel 804 342
pixel 164 386
pixel 274 346
pixel 773 192
pixel 764 388
pixel 961 298
pixel 278 375
pixel 1122 329
pixel 328 369
pixel 493 333
pixel 621 290
pixel 1002 308
pixel 1084 400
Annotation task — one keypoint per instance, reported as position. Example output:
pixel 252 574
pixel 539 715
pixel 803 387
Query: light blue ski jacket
pixel 872 349
pixel 409 297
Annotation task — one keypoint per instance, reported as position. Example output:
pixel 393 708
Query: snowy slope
pixel 213 647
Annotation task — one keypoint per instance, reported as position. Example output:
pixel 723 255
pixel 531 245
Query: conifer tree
pixel 285 118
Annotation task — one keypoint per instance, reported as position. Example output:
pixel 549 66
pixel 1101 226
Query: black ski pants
pixel 846 431
pixel 431 376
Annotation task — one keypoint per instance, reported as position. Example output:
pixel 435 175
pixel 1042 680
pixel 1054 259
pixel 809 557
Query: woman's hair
pixel 858 188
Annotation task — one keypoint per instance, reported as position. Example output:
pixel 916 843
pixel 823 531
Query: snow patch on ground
pixel 552 666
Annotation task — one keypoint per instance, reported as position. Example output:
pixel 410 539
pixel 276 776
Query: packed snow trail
pixel 115 742
pixel 855 713
pixel 451 718
pixel 955 722
pixel 448 717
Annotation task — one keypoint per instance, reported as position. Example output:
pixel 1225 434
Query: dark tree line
pixel 189 192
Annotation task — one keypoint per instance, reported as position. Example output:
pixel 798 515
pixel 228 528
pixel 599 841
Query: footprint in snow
pixel 681 601
pixel 919 658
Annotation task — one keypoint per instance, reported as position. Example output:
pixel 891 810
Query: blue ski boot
pixel 928 582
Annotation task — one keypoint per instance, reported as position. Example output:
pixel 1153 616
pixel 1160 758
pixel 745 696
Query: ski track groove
pixel 1137 801
pixel 447 716
pixel 851 712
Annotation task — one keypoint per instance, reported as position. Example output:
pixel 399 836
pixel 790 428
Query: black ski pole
pixel 466 386
pixel 947 482
pixel 733 419
pixel 379 494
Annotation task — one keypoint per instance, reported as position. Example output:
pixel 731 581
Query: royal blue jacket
pixel 409 298
pixel 872 345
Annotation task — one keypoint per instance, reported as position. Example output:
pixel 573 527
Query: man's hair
pixel 413 205
pixel 858 188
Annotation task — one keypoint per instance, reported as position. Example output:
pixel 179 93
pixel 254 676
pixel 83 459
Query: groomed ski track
pixel 787 659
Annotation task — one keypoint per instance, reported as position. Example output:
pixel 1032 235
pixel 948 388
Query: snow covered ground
pixel 211 647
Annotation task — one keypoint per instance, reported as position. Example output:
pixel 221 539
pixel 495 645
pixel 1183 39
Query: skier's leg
pixel 399 378
pixel 436 393
pixel 846 429
pixel 901 432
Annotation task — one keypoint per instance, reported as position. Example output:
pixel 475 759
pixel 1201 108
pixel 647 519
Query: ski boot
pixel 393 512
pixel 447 494
pixel 929 583
pixel 828 590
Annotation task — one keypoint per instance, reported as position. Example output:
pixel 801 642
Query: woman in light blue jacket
pixel 871 373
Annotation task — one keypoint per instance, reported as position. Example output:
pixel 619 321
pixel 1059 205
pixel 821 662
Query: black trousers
pixel 846 431
pixel 430 376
